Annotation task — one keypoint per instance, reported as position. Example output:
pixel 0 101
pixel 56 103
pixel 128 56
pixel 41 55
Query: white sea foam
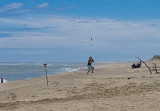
pixel 4 80
pixel 70 70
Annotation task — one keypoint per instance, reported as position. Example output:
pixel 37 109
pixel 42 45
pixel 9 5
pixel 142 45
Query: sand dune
pixel 112 87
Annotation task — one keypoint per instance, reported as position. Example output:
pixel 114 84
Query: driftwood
pixel 155 68
pixel 145 64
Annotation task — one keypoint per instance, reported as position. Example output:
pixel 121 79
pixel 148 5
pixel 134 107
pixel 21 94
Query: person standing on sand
pixel 1 80
pixel 90 67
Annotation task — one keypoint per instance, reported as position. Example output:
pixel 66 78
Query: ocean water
pixel 21 71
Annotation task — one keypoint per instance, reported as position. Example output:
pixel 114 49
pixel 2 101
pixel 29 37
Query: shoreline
pixel 80 69
pixel 112 86
pixel 66 69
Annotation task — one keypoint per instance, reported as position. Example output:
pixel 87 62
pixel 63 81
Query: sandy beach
pixel 112 87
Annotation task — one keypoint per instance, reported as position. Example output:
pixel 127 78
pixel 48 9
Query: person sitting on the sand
pixel 140 63
pixel 133 66
pixel 137 66
pixel 90 67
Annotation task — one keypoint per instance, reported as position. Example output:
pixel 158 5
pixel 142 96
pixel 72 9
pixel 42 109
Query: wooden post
pixel 46 76
pixel 45 67
pixel 145 64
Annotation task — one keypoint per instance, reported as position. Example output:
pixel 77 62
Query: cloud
pixel 109 36
pixel 44 5
pixel 65 8
pixel 11 7
pixel 23 29
pixel 56 31
pixel 16 9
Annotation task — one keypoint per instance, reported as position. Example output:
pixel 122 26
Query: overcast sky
pixel 60 30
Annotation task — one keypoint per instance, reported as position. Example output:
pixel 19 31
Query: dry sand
pixel 112 87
